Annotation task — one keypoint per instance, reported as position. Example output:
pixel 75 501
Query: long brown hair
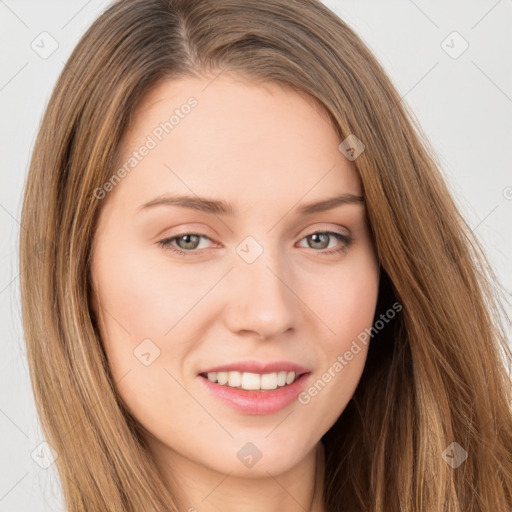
pixel 434 376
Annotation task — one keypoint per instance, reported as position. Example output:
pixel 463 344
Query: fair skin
pixel 266 151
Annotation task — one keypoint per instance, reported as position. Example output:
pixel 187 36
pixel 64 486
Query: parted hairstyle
pixel 435 375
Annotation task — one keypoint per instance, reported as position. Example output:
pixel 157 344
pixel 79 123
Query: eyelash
pixel 166 243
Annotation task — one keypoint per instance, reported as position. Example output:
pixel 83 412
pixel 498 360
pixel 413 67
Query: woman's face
pixel 253 285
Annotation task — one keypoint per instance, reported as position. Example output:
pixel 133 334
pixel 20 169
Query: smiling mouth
pixel 253 381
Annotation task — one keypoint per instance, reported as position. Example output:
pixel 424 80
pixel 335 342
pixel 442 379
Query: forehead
pixel 240 141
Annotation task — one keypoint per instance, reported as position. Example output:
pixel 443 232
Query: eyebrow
pixel 219 207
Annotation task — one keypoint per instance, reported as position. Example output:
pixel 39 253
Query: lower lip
pixel 257 402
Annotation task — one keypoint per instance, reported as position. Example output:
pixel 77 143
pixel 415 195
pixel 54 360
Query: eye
pixel 320 240
pixel 188 243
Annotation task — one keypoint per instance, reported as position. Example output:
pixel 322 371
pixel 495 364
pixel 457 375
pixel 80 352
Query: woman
pixel 191 345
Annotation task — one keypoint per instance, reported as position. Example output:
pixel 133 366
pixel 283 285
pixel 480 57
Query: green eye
pixel 192 240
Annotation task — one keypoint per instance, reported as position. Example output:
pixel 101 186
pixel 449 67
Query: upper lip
pixel 259 367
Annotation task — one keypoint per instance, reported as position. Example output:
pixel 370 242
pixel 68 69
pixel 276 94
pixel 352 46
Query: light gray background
pixel 464 105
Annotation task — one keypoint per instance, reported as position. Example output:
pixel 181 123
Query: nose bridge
pixel 261 300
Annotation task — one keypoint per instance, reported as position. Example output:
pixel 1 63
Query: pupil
pixel 315 237
pixel 187 238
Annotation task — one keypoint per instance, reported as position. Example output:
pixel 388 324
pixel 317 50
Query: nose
pixel 260 299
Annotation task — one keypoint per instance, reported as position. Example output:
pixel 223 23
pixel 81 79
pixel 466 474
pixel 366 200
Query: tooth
pixel 281 378
pixel 234 379
pixel 222 377
pixel 250 381
pixel 269 381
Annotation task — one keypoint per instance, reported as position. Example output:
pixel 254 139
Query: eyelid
pixel 324 228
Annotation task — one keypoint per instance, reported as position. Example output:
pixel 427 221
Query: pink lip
pixel 259 367
pixel 257 402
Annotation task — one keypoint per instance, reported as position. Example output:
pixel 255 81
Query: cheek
pixel 142 308
pixel 138 306
pixel 347 307
pixel 354 306
pixel 142 298
pixel 344 298
pixel 129 301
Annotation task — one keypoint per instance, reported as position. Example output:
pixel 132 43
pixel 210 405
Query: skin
pixel 266 150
